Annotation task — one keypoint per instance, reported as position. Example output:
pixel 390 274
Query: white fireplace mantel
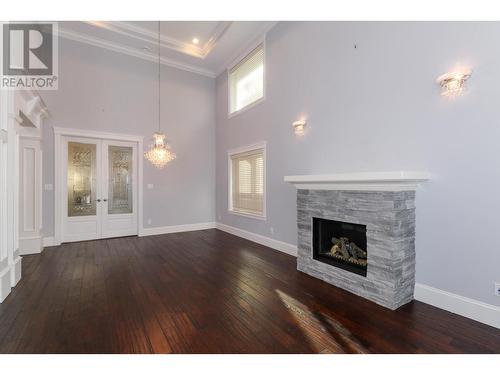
pixel 373 181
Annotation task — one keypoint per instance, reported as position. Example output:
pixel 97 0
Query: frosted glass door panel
pixel 101 189
pixel 120 192
pixel 81 179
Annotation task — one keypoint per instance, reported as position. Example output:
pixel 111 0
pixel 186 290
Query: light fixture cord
pixel 159 91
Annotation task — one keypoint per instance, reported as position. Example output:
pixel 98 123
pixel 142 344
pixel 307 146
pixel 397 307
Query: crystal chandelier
pixel 159 153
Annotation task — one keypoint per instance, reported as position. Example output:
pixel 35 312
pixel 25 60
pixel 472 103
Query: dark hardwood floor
pixel 208 292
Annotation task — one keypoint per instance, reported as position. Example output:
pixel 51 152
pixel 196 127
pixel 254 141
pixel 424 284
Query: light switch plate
pixel 48 187
pixel 150 186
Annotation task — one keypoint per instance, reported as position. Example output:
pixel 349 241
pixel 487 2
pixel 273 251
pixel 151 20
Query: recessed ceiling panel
pixel 218 41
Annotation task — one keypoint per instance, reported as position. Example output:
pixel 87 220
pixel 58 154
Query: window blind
pixel 246 80
pixel 247 171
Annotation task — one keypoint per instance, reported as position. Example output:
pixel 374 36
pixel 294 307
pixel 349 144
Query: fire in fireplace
pixel 340 244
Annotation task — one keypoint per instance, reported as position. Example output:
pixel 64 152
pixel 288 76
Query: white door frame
pixel 58 165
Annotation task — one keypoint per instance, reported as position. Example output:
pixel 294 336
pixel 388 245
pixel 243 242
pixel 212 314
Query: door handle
pixel 98 200
pixel 105 200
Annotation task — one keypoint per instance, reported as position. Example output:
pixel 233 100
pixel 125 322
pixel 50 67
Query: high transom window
pixel 246 81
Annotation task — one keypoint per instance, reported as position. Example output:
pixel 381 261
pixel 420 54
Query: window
pixel 246 80
pixel 247 181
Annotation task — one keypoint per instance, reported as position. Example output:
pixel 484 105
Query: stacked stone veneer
pixel 389 217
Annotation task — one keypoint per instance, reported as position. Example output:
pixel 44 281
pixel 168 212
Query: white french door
pixel 99 188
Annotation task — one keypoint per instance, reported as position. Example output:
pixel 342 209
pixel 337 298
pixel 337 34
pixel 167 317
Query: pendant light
pixel 159 153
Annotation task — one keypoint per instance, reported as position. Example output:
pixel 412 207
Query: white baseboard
pixel 30 245
pixel 263 240
pixel 49 241
pixel 470 308
pixel 176 229
pixel 15 271
pixel 4 283
pixel 10 274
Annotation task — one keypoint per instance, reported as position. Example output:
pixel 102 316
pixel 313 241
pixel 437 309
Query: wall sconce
pixel 299 127
pixel 453 83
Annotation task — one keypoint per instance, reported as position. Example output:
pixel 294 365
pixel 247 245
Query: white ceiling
pixel 219 41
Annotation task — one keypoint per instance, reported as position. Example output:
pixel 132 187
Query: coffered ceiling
pixel 203 47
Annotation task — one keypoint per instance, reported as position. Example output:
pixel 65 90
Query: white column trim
pixel 57 189
pixel 30 239
pixel 140 187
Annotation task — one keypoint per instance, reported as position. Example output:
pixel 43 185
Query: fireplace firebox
pixel 340 244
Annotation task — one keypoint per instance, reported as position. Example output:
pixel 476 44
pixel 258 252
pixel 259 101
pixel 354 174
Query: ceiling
pixel 219 42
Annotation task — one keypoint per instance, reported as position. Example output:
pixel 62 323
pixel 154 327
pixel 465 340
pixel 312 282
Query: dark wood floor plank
pixel 208 292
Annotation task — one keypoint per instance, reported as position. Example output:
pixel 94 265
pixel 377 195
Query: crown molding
pixel 36 102
pixel 120 48
pixel 148 36
pixel 216 35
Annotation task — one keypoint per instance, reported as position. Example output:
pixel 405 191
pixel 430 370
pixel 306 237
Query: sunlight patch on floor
pixel 323 333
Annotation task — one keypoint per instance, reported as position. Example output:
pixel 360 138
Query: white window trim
pixel 256 146
pixel 236 61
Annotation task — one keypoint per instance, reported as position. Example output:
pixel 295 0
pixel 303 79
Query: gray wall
pixel 376 108
pixel 107 91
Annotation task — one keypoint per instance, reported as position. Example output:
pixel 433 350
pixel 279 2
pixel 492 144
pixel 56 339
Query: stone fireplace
pixel 357 232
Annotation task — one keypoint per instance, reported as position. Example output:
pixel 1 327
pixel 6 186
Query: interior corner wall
pixel 107 91
pixel 369 94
